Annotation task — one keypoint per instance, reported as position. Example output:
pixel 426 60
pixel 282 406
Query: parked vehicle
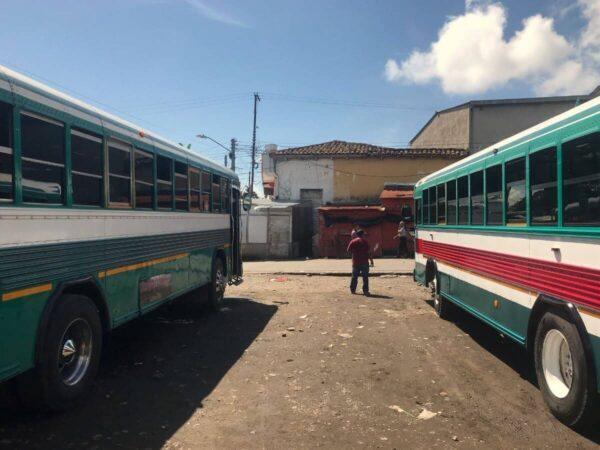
pixel 511 235
pixel 100 222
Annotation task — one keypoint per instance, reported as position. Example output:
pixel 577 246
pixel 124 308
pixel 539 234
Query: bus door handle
pixel 431 236
pixel 555 249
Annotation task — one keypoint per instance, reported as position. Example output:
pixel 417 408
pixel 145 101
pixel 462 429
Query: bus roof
pixel 595 102
pixel 16 79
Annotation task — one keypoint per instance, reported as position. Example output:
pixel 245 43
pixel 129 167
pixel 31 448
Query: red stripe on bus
pixel 571 283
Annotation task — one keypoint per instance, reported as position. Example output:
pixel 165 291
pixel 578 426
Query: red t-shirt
pixel 360 249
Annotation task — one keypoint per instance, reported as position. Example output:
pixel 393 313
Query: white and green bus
pixel 100 222
pixel 511 235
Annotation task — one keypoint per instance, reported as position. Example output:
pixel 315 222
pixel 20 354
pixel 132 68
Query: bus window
pixel 451 202
pixel 477 198
pixel 441 204
pixel 543 193
pixel 6 152
pixel 164 182
pixel 181 186
pixel 195 192
pixel 432 206
pixel 144 180
pixel 516 214
pixel 224 195
pixel 119 174
pixel 425 206
pixel 581 181
pixel 86 168
pixel 206 191
pixel 42 159
pixel 418 211
pixel 216 193
pixel 463 200
pixel 493 189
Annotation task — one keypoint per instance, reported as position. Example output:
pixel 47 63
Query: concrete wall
pixel 293 175
pixel 492 123
pixel 370 175
pixel 448 129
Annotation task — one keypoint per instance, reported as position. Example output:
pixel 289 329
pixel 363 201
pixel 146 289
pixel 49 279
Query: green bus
pixel 100 222
pixel 511 234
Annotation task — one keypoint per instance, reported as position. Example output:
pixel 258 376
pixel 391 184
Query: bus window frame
pixel 135 180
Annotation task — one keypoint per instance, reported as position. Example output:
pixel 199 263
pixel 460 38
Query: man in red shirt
pixel 361 256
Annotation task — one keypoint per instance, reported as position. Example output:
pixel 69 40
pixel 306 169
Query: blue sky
pixel 328 69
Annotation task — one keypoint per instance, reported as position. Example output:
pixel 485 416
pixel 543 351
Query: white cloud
pixel 214 14
pixel 471 54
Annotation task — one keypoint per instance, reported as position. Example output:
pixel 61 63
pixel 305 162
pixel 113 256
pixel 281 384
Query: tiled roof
pixel 342 149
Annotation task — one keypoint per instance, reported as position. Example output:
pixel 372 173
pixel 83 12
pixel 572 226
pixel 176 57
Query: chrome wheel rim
pixel 75 352
pixel 220 282
pixel 434 293
pixel 557 363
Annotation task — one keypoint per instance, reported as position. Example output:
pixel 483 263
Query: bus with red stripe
pixel 511 234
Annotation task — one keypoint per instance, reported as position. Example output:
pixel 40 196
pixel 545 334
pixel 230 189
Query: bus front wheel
pixel 564 377
pixel 70 356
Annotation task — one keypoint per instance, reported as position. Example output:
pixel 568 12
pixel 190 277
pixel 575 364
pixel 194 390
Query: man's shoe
pixel 367 294
pixel 353 292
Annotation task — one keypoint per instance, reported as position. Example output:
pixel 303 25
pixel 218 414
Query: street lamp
pixel 230 151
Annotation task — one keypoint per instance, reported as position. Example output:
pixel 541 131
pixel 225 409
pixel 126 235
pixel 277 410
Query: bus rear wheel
pixel 70 356
pixel 216 288
pixel 564 376
pixel 440 304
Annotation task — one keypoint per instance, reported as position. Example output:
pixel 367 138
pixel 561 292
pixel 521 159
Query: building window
pixel 451 202
pixel 477 198
pixel 516 212
pixel 86 168
pixel 206 192
pixel 463 200
pixel 543 194
pixel 6 152
pixel 164 182
pixel 581 181
pixel 42 159
pixel 181 186
pixel 441 204
pixel 493 189
pixel 119 174
pixel 195 190
pixel 144 180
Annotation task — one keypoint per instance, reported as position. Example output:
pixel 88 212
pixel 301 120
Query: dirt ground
pixel 299 362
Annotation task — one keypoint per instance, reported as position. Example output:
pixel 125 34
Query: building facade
pixel 478 124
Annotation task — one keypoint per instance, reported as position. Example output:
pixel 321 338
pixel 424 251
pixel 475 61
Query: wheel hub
pixel 557 363
pixel 75 352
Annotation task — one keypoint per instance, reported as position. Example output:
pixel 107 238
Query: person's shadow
pixel 387 297
pixel 154 375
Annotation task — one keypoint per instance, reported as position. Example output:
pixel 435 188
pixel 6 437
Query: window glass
pixel 216 193
pixel 418 211
pixel 6 152
pixel 195 192
pixel 463 200
pixel 224 195
pixel 493 185
pixel 119 173
pixel 42 162
pixel 451 202
pixel 406 213
pixel 581 181
pixel 144 180
pixel 86 168
pixel 164 182
pixel 181 186
pixel 477 198
pixel 516 213
pixel 206 191
pixel 441 205
pixel 426 206
pixel 542 180
pixel 432 206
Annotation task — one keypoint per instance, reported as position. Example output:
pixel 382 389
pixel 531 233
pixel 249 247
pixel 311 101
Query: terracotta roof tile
pixel 342 149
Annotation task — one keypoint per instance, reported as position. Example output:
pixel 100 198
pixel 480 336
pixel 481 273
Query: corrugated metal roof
pixel 343 149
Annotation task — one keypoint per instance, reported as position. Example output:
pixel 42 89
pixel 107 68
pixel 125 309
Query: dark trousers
pixel 362 270
pixel 402 247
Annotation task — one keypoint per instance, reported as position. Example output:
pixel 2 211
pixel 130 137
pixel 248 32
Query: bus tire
pixel 70 355
pixel 563 373
pixel 440 304
pixel 216 287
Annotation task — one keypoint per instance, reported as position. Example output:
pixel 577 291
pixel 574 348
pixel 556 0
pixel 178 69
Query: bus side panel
pixel 200 266
pixel 19 320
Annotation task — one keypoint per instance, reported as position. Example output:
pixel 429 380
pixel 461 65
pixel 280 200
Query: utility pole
pixel 225 161
pixel 251 187
pixel 232 154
